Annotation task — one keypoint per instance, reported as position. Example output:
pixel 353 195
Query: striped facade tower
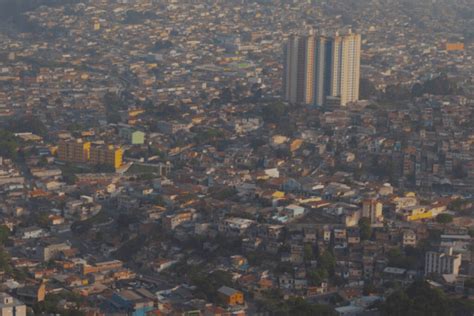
pixel 318 67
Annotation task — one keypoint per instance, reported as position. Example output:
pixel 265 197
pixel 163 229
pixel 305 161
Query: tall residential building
pixel 294 69
pixel 74 151
pixel 372 209
pixel 322 69
pixel 106 155
pixel 77 151
pixel 444 262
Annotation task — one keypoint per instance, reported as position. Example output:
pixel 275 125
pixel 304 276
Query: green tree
pixel 99 236
pixel 51 302
pixel 469 283
pixel 327 262
pixel 308 252
pixel 273 303
pixel 365 228
pixel 28 123
pixel 208 136
pixel 315 277
pixel 444 218
pixel 4 234
pixel 224 193
pixel 20 275
pixel 274 112
pixel 410 260
pixel 5 261
pixel 104 168
pixel 113 104
pixel 461 206
pixel 162 44
pixel 441 85
pixel 42 219
pixel 367 89
pixel 8 145
pixel 420 299
pixel 395 93
pixel 226 95
pixel 369 288
pixel 417 90
pixel 299 306
pixel 397 304
pixel 284 267
pixel 130 248
pixel 208 284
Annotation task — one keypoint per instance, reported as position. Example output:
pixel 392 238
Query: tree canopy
pixel 28 123
pixel 365 229
pixel 444 218
pixel 272 302
pixel 274 112
pixel 420 299
pixel 208 284
pixel 4 233
pixel 367 89
pixel 441 85
pixel 8 145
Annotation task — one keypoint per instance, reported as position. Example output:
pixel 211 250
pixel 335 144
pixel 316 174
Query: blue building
pixel 136 302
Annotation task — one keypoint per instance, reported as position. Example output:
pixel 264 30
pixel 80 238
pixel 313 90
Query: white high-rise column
pixel 346 68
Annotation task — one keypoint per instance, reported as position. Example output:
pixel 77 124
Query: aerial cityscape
pixel 237 157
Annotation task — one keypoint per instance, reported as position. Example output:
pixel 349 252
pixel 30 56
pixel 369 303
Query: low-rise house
pixel 340 236
pixel 135 302
pixel 32 232
pixel 235 226
pixel 51 251
pixel 103 266
pixel 11 306
pixel 163 264
pixel 293 211
pixel 32 294
pixel 353 236
pixel 251 244
pixel 172 221
pixel 287 281
pixel 230 296
pixel 409 238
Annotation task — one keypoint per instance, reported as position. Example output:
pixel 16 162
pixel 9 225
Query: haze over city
pixel 237 157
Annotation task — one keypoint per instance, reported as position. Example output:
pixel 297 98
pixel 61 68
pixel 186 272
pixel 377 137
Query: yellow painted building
pixel 278 195
pixel 87 133
pixel 106 155
pixel 420 216
pixel 456 46
pixel 74 151
pixel 77 151
pixel 416 213
pixel 133 114
pixel 296 144
pixel 53 150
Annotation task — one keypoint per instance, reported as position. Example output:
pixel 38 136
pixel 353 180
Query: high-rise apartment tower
pixel 321 69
